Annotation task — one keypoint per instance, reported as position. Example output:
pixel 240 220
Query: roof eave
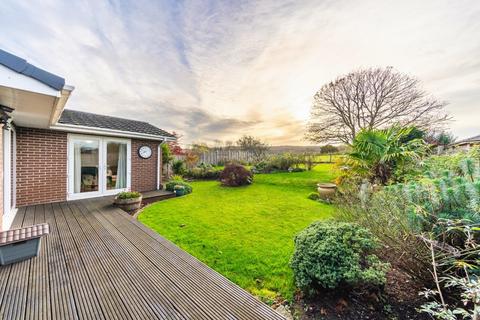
pixel 60 104
pixel 109 132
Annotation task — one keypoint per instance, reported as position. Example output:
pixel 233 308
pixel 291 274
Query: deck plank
pixel 116 285
pixel 185 276
pixel 100 263
pixel 16 290
pixel 62 301
pixel 38 294
pixel 162 288
pixel 193 267
pixel 6 271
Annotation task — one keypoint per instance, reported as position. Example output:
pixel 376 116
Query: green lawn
pixel 244 233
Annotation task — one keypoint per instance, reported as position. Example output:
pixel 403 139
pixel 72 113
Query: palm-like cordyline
pixel 376 152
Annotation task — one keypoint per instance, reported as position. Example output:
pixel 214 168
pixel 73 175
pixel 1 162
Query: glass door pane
pixel 116 177
pixel 85 165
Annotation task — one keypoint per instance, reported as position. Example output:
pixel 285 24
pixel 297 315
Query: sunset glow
pixel 216 70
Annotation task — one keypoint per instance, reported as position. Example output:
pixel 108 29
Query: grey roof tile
pixel 20 65
pixel 93 120
pixel 472 139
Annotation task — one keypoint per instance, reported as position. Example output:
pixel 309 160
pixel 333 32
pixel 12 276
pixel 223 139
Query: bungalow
pixel 466 144
pixel 52 154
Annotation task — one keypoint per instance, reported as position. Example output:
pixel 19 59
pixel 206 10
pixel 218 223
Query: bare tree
pixel 371 98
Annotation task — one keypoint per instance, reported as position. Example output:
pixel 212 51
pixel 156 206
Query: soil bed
pixel 399 301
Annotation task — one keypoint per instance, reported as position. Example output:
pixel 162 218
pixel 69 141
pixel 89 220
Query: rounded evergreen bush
pixel 331 254
pixel 170 186
pixel 235 175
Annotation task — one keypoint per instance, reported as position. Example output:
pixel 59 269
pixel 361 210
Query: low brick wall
pixel 41 166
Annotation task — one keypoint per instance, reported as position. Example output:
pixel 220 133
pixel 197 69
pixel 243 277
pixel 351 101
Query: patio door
pixel 97 166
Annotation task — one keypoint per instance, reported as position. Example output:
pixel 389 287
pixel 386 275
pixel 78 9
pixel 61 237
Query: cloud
pixel 219 69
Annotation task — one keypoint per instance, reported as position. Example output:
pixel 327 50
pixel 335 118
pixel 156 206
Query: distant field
pixel 327 158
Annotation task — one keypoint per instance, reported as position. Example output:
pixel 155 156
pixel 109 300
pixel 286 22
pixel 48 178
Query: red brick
pixel 144 171
pixel 41 177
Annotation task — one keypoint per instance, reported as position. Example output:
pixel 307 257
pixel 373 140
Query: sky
pixel 215 70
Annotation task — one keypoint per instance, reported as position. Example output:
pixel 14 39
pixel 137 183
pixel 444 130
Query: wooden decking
pixel 100 263
pixel 156 195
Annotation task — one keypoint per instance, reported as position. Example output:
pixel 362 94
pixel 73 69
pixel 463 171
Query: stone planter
pixel 326 191
pixel 129 205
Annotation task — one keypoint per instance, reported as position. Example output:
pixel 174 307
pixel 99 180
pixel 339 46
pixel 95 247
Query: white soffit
pixel 35 104
pixel 30 109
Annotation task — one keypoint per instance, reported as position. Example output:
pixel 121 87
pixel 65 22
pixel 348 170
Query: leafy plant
pixel 452 194
pixel 377 153
pixel 282 163
pixel 313 196
pixel 191 158
pixel 260 167
pixel 205 172
pixel 178 167
pixel 166 155
pixel 384 214
pixel 129 195
pixel 441 138
pixel 176 177
pixel 462 282
pixel 331 254
pixel 235 175
pixel 170 186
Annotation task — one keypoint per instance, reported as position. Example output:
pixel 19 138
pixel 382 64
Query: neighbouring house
pixel 52 154
pixel 466 144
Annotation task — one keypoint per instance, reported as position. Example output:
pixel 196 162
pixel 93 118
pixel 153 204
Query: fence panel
pixel 215 157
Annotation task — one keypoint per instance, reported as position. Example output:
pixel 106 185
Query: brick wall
pixel 144 171
pixel 41 166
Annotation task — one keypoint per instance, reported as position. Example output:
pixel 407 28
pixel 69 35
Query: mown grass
pixel 244 233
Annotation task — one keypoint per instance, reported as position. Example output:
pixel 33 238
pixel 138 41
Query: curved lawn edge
pixel 244 233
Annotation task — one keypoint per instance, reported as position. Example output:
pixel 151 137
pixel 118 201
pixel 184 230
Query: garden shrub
pixel 284 162
pixel 128 195
pixel 235 175
pixel 170 186
pixel 203 172
pixel 452 194
pixel 176 177
pixel 402 216
pixel 331 254
pixel 261 167
pixel 383 213
pixel 313 196
pixel 166 154
pixel 178 167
